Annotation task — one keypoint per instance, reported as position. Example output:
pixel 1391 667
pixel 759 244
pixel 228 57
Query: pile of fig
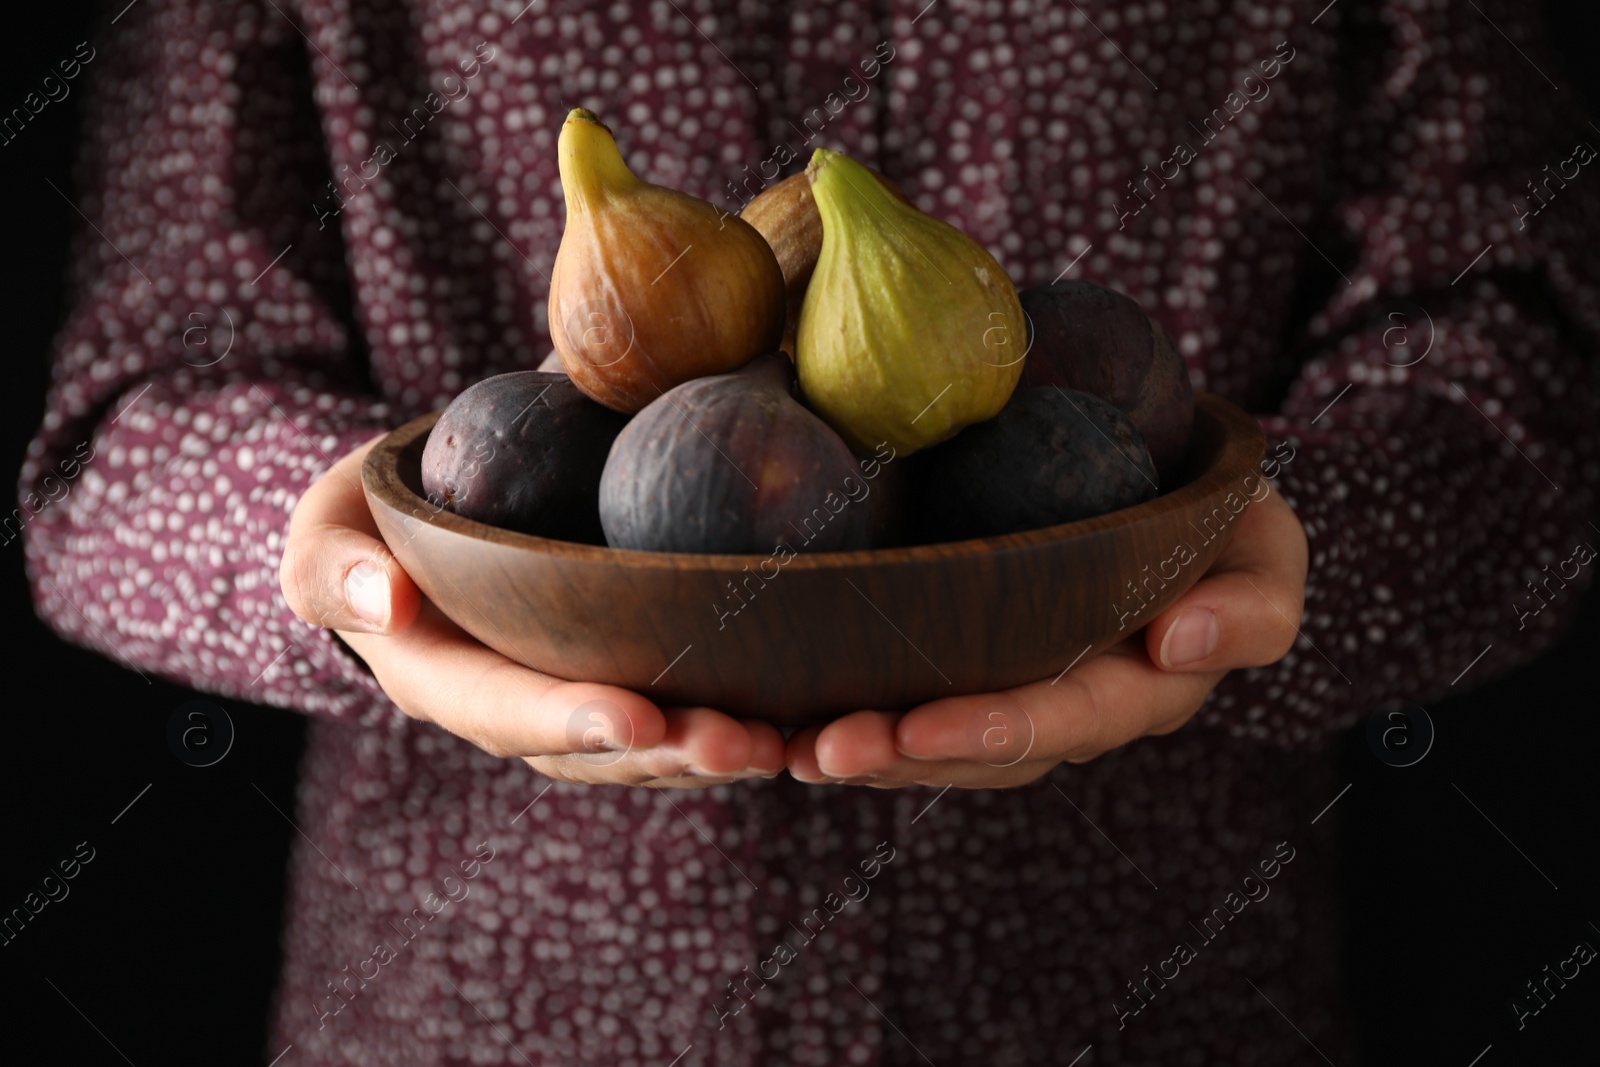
pixel 830 369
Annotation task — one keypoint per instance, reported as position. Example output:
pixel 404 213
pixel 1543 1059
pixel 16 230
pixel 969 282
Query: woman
pixel 316 220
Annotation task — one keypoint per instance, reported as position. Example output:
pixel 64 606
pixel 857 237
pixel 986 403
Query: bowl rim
pixel 1243 445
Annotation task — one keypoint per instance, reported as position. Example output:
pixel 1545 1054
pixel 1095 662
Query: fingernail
pixel 366 589
pixel 737 776
pixel 1192 638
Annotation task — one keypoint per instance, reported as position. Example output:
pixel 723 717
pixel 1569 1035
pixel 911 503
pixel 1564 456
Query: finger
pixel 1101 704
pixel 766 747
pixel 1245 612
pixel 800 756
pixel 336 571
pixel 859 749
pixel 858 744
pixel 446 677
pixel 700 746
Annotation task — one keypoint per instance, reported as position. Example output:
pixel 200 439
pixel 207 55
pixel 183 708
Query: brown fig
pixel 786 215
pixel 652 287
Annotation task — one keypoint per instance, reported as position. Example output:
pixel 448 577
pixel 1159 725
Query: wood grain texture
pixel 825 633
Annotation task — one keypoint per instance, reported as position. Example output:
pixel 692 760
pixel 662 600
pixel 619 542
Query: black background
pixel 166 948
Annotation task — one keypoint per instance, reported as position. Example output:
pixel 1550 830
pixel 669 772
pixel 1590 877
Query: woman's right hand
pixel 337 573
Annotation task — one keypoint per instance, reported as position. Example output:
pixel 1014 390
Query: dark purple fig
pixel 733 463
pixel 892 506
pixel 523 451
pixel 1052 455
pixel 1096 340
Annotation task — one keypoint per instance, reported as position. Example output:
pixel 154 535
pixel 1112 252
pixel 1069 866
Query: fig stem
pixel 835 177
pixel 772 368
pixel 591 166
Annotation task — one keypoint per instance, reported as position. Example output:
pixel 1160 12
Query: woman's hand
pixel 338 573
pixel 1243 613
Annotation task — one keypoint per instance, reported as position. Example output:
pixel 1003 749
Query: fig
pixel 523 451
pixel 786 215
pixel 651 287
pixel 732 463
pixel 909 330
pixel 891 509
pixel 1096 340
pixel 1052 455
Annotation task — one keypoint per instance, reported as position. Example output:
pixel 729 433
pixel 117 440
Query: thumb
pixel 336 572
pixel 1246 611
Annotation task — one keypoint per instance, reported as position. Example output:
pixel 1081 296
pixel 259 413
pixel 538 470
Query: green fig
pixel 910 330
pixel 786 215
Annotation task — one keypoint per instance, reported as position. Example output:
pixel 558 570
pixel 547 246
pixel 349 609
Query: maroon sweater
pixel 313 219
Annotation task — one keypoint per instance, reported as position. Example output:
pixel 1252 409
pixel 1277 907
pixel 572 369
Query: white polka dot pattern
pixel 321 218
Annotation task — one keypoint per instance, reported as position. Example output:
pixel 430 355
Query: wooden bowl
pixel 827 633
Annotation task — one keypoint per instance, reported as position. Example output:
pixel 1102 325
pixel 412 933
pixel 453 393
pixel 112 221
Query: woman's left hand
pixel 1243 613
